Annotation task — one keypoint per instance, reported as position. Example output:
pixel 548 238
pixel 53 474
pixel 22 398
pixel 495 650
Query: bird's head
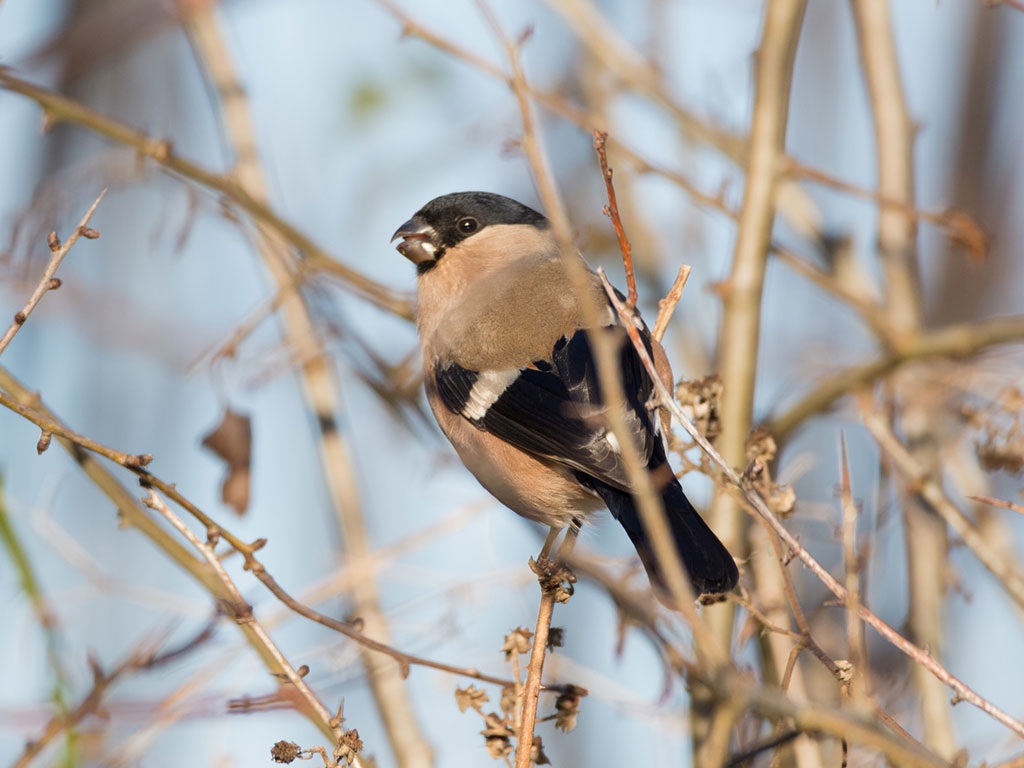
pixel 449 221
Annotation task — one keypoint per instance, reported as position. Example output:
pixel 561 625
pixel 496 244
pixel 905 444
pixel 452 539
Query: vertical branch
pixel 854 631
pixel 741 326
pixel 894 139
pixel 321 389
pixel 897 234
pixel 550 574
pixel 612 211
pixel 135 516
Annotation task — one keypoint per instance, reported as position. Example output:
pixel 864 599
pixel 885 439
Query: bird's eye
pixel 467 225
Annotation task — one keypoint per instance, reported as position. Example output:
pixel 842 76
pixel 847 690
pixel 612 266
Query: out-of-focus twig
pixel 857 685
pixel 958 225
pixel 921 483
pixel 48 282
pixel 999 503
pixel 101 682
pixel 740 334
pixel 61 109
pixel 958 340
pixel 44 613
pixel 628 65
pixel 241 611
pixel 321 388
pixel 760 507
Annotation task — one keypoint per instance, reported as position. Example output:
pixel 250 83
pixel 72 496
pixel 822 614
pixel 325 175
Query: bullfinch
pixel 512 381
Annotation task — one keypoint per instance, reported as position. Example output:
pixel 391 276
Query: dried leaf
pixel 232 442
pixel 537 752
pixel 700 400
pixel 498 746
pixel 470 698
pixel 285 752
pixel 497 736
pixel 517 641
pixel 567 709
pixel 508 699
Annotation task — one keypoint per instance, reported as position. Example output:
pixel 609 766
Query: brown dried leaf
pixel 700 400
pixel 567 709
pixel 517 641
pixel 470 698
pixel 497 736
pixel 761 450
pixel 498 746
pixel 231 441
pixel 537 752
pixel 349 746
pixel 508 699
pixel 285 752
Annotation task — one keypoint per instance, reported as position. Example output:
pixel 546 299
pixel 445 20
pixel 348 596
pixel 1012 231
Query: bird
pixel 511 378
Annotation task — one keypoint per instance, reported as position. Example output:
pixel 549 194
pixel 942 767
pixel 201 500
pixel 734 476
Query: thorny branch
pixel 919 655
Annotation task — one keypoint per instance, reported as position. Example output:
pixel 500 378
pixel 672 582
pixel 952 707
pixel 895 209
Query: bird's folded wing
pixel 554 409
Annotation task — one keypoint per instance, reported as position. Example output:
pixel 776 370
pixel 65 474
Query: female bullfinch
pixel 512 381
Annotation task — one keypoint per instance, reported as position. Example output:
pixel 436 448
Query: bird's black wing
pixel 555 409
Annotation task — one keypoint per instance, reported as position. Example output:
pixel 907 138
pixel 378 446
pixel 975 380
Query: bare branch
pixel 48 282
pixel 919 655
pixel 61 109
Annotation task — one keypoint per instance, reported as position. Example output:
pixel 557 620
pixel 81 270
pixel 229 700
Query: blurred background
pixel 344 118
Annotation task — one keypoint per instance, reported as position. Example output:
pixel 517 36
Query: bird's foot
pixel 556 578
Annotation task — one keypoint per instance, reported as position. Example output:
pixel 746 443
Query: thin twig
pixel 133 514
pixel 957 340
pixel 998 503
pixel 52 427
pixel 740 332
pixel 648 502
pixel 857 681
pixel 958 225
pixel 61 109
pixel 919 655
pixel 652 512
pixel 611 210
pixel 48 282
pixel 88 705
pixel 321 389
pixel 667 305
pixel 921 483
pixel 241 611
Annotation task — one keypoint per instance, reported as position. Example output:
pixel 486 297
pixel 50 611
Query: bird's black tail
pixel 712 569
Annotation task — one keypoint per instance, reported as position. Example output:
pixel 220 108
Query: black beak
pixel 419 241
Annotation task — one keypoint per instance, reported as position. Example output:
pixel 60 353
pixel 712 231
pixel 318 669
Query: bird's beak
pixel 419 241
